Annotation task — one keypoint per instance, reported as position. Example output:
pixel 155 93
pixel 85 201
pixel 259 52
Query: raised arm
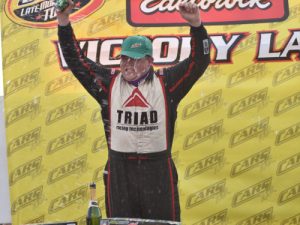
pixel 181 77
pixel 92 76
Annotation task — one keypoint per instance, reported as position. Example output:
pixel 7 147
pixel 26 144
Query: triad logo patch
pixel 136 99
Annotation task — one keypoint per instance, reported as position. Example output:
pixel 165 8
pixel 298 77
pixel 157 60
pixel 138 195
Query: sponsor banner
pixel 42 14
pixel 175 49
pixel 5 216
pixel 147 12
pixel 1 73
pixel 237 132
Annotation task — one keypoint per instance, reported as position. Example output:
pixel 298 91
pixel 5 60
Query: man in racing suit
pixel 139 112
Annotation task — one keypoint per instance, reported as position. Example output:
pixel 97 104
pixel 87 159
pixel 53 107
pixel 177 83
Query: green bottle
pixel 93 214
pixel 61 5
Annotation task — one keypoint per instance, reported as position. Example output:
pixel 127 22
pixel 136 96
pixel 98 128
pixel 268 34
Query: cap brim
pixel 134 55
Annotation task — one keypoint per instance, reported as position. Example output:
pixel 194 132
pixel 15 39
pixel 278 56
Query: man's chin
pixel 129 78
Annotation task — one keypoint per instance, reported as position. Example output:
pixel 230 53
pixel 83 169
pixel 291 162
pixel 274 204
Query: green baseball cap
pixel 136 47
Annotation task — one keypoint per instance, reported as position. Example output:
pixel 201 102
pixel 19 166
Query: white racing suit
pixel 140 176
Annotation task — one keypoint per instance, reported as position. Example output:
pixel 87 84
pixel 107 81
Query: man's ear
pixel 150 59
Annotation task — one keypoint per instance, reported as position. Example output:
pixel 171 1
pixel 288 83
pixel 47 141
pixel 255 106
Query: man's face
pixel 133 69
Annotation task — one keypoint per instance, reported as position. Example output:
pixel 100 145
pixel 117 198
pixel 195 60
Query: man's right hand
pixel 63 16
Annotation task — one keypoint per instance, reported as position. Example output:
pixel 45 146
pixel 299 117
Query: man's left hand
pixel 191 13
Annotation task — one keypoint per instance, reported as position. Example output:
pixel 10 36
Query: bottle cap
pixel 93 185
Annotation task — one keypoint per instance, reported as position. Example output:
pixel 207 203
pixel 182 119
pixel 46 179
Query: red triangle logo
pixel 136 99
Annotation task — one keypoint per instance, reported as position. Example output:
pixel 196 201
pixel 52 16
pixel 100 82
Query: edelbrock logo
pixel 42 13
pixel 164 12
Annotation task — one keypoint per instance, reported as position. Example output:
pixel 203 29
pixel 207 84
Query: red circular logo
pixel 42 13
